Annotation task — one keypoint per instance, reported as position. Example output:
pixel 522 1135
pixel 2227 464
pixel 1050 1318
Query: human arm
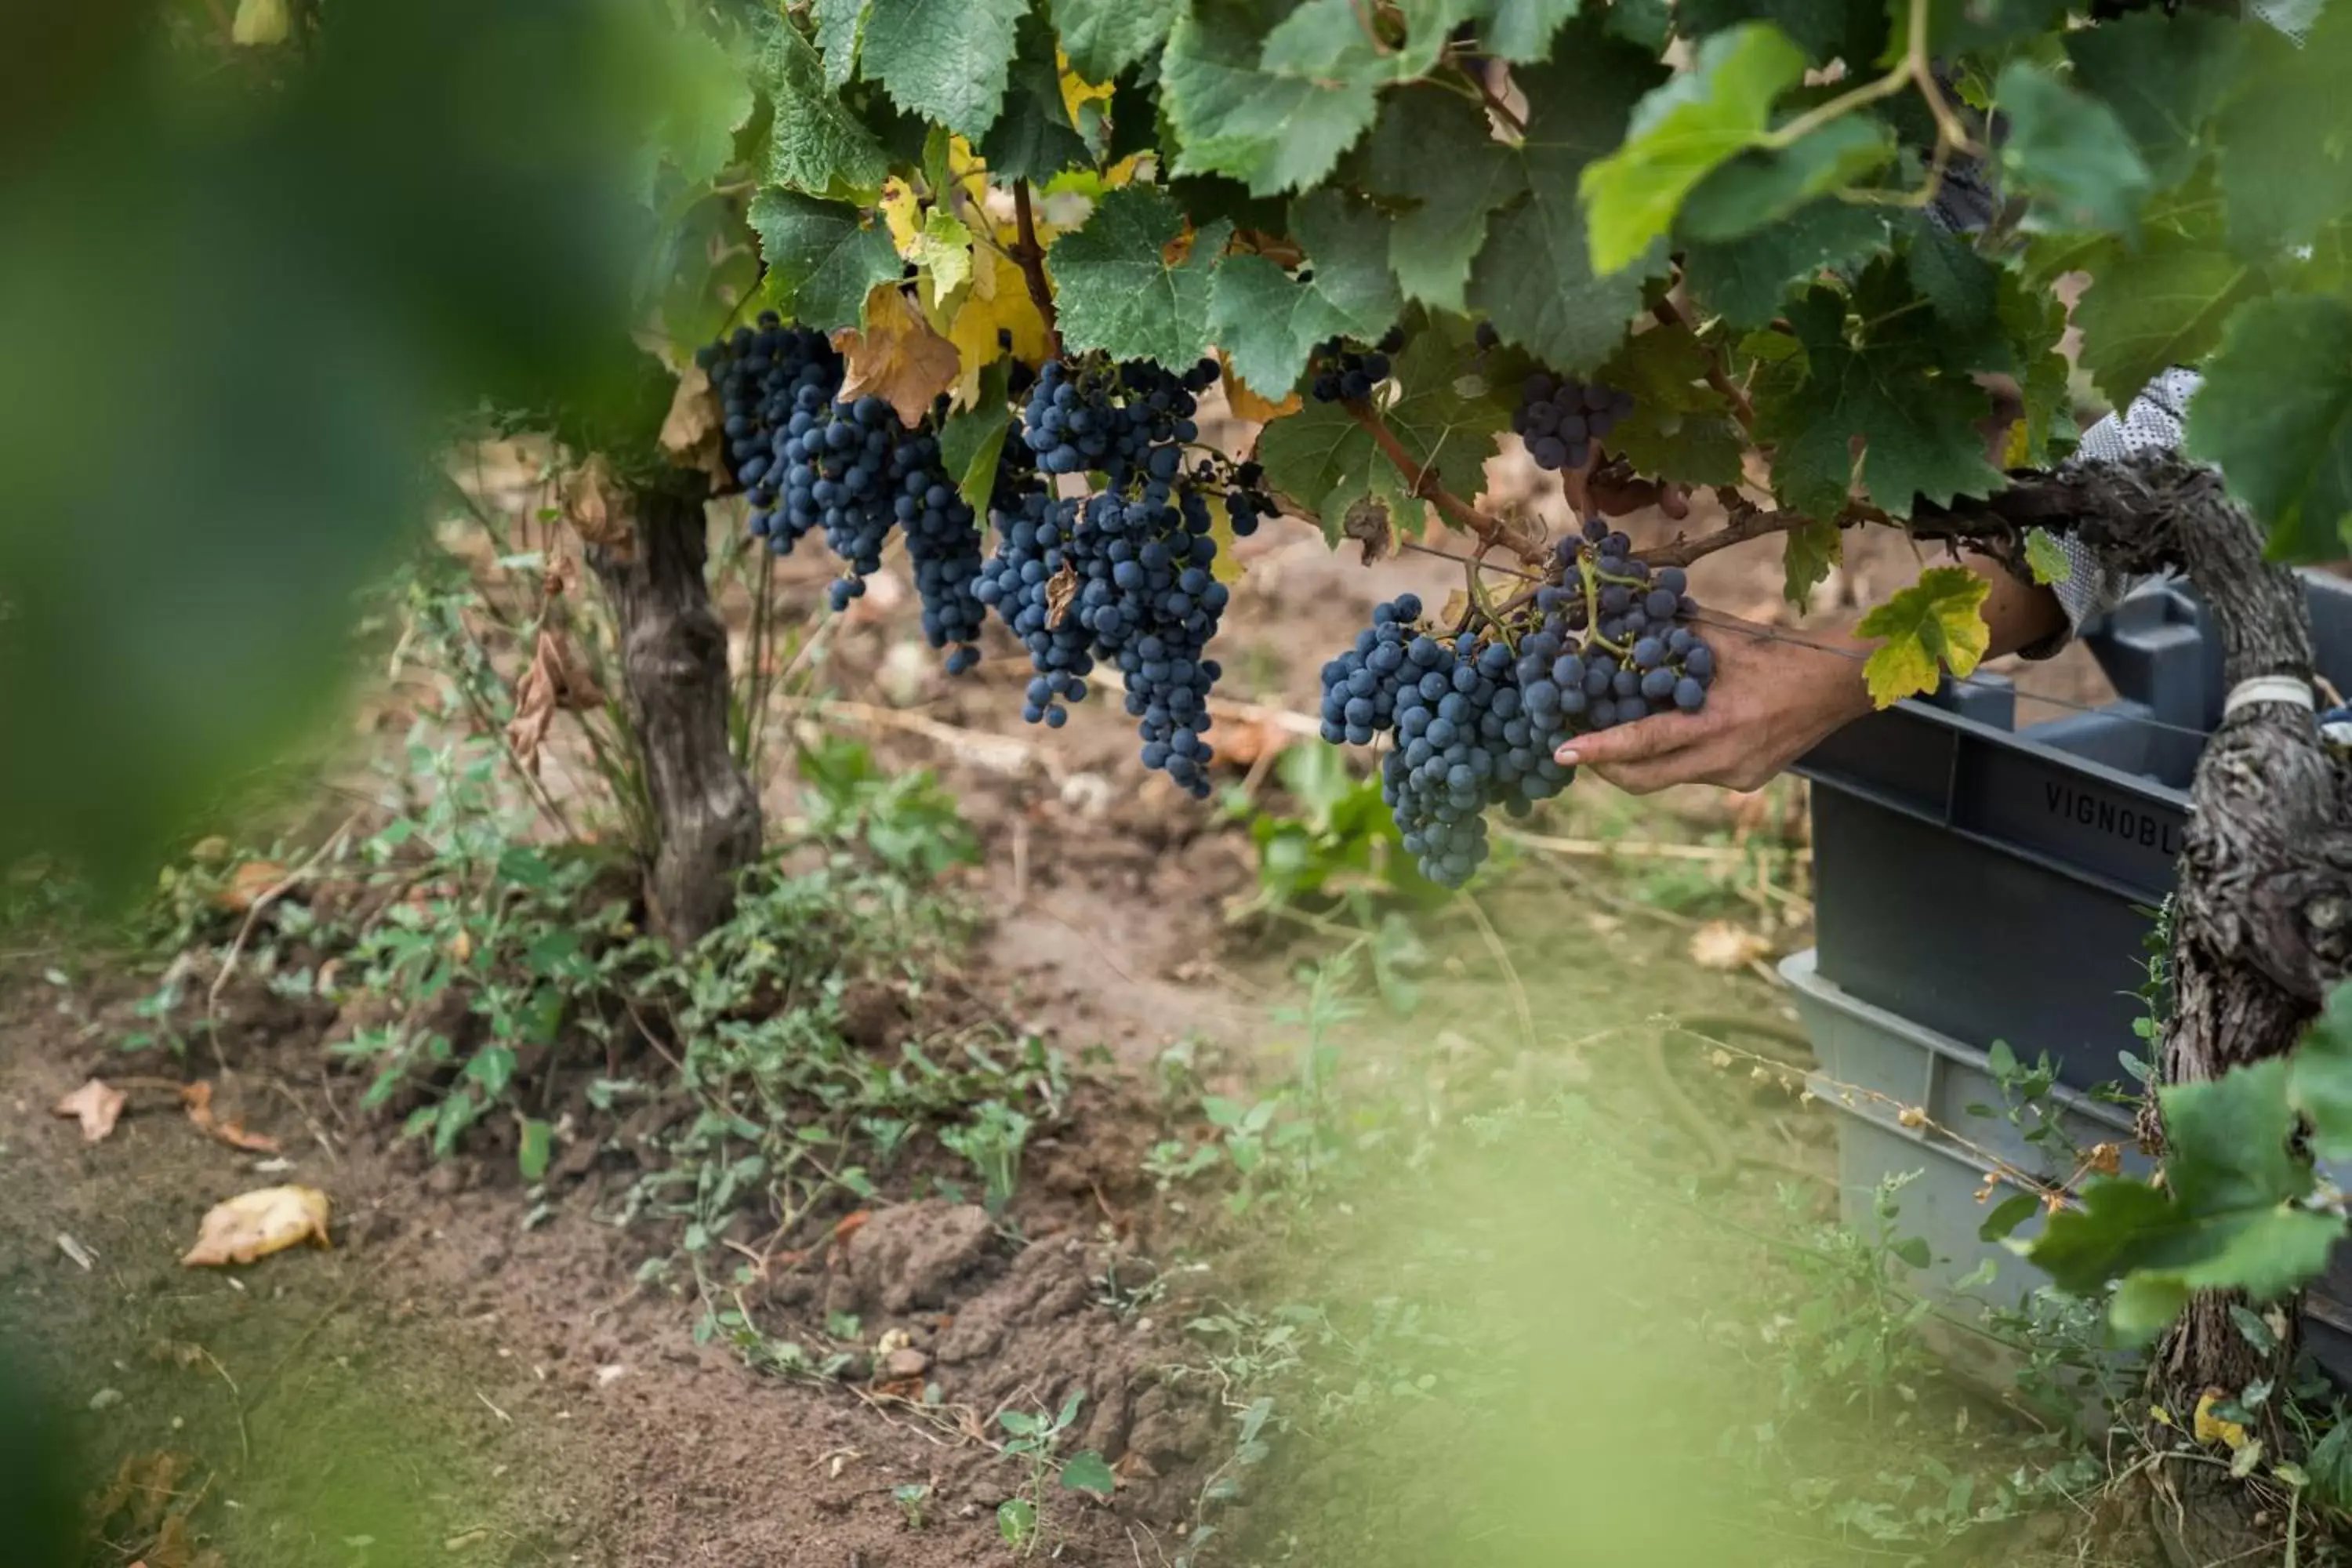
pixel 1774 698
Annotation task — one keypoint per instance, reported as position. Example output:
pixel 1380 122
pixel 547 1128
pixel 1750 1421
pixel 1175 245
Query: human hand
pixel 1772 699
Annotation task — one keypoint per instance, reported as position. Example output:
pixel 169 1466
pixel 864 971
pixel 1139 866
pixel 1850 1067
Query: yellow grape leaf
pixel 2017 450
pixel 902 212
pixel 1227 567
pixel 996 301
pixel 898 358
pixel 943 251
pixel 1936 622
pixel 1248 405
pixel 2213 1428
pixel 1075 89
pixel 255 1225
pixel 2046 558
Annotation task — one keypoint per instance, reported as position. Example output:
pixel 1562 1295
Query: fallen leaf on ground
pixel 198 1097
pixel 248 885
pixel 1243 741
pixel 96 1104
pixel 898 358
pixel 255 1225
pixel 1721 944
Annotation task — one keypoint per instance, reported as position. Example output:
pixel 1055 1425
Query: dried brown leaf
pixel 898 358
pixel 254 1224
pixel 198 1097
pixel 1244 743
pixel 597 506
pixel 556 680
pixel 1369 524
pixel 250 884
pixel 1060 590
pixel 692 431
pixel 1721 944
pixel 97 1105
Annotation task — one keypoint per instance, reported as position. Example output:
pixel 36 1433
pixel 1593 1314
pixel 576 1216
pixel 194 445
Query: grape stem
pixel 1031 256
pixel 1669 312
pixel 1747 521
pixel 1422 479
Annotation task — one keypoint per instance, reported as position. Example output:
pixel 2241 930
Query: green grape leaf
pixel 942 252
pixel 2162 302
pixel 1326 464
pixel 1972 26
pixel 1328 40
pixel 2163 77
pixel 1918 427
pixel 703 97
pixel 1746 281
pixel 2321 1086
pixel 1117 290
pixel 1680 428
pixel 1825 29
pixel 945 61
pixel 815 146
pixel 2330 1467
pixel 1089 1473
pixel 1646 23
pixel 1533 279
pixel 2068 153
pixel 972 438
pixel 1682 130
pixel 1756 189
pixel 2035 321
pixel 1521 31
pixel 2283 177
pixel 1936 623
pixel 1963 289
pixel 1103 38
pixel 822 259
pixel 2046 559
pixel 1033 138
pixel 2225 1218
pixel 1440 155
pixel 532 1153
pixel 2275 414
pixel 1267 321
pixel 840 25
pixel 1813 548
pixel 1272 132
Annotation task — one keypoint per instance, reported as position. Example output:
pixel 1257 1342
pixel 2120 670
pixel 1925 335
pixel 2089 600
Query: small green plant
pixel 914 1500
pixel 992 1140
pixel 1035 1441
pixel 1341 846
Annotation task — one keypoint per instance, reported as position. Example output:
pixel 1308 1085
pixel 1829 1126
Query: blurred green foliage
pixel 40 1481
pixel 244 294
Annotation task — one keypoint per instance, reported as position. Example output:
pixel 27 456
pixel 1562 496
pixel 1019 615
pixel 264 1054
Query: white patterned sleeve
pixel 2153 423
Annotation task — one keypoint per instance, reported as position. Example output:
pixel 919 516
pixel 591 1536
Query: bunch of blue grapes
pixel 1124 575
pixel 1345 374
pixel 808 460
pixel 1560 418
pixel 1475 717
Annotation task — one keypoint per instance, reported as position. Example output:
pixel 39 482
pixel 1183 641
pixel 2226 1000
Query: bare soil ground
pixel 465 1379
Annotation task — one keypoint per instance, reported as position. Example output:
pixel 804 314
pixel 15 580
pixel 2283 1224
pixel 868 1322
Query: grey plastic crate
pixel 1995 884
pixel 1867 1052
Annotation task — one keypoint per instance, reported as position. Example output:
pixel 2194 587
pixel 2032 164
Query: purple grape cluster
pixel 1478 717
pixel 1349 375
pixel 1560 418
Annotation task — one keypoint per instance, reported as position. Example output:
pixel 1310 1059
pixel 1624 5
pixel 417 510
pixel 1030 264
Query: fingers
pixel 1641 740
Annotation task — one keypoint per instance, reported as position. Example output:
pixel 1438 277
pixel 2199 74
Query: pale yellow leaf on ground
pixel 898 358
pixel 255 1225
pixel 97 1105
pixel 248 885
pixel 1721 945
